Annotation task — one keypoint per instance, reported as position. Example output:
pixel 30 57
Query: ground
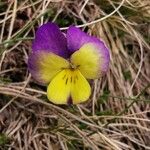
pixel 116 117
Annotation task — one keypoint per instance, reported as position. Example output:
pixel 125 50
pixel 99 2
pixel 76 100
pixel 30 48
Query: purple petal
pixel 76 38
pixel 48 37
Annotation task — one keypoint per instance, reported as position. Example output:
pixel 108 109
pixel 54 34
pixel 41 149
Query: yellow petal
pixel 80 88
pixel 88 60
pixel 68 85
pixel 59 89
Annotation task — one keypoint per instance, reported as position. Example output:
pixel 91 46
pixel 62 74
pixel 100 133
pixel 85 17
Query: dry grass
pixel 117 114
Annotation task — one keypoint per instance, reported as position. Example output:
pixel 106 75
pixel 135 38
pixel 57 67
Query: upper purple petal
pixel 76 38
pixel 49 37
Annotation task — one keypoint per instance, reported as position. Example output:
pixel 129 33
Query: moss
pixel 104 98
pixel 3 139
pixel 127 75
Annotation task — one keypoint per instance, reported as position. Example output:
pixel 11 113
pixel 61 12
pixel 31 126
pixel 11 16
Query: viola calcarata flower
pixel 65 62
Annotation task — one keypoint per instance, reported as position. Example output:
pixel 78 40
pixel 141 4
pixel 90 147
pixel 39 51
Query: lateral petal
pixel 45 65
pixel 90 60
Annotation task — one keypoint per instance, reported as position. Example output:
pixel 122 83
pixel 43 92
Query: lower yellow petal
pixel 80 88
pixel 69 86
pixel 58 90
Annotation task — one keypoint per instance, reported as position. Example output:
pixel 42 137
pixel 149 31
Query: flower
pixel 66 61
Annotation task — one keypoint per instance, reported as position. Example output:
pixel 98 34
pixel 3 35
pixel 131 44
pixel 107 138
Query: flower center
pixel 70 76
pixel 72 66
